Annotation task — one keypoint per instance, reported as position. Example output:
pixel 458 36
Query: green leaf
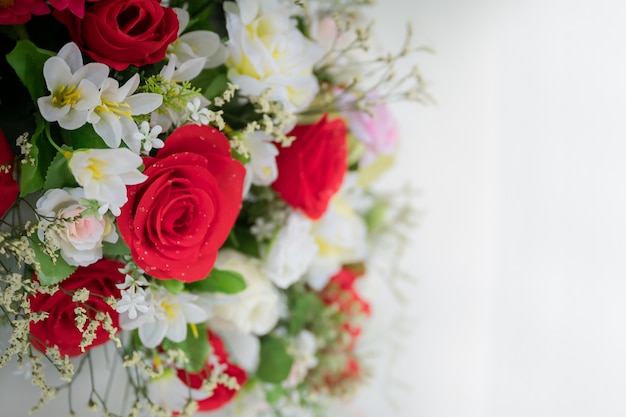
pixel 212 81
pixel 275 363
pixel 27 60
pixel 173 285
pixel 83 138
pixel 119 248
pixel 227 282
pixel 275 393
pixel 32 176
pixel 51 273
pixel 59 174
pixel 243 240
pixel 196 347
pixel 200 20
pixel 304 308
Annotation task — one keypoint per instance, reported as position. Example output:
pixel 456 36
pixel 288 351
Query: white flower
pixel 291 252
pixel 148 138
pixel 80 240
pixel 303 349
pixel 197 114
pixel 267 51
pixel 167 316
pixel 134 298
pixel 112 117
pixel 197 44
pixel 261 169
pixel 254 310
pixel 170 393
pixel 244 349
pixel 74 88
pixel 341 235
pixel 104 174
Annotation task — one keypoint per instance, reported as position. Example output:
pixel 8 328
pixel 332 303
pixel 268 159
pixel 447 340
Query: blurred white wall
pixel 520 306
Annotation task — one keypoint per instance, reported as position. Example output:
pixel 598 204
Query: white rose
pixel 80 240
pixel 291 251
pixel 254 310
pixel 268 51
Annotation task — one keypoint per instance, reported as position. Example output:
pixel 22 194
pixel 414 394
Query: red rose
pixel 59 328
pixel 17 12
pixel 175 221
pixel 311 170
pixel 123 32
pixel 221 395
pixel 9 188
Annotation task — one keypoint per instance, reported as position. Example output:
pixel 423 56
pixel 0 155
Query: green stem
pixel 20 31
pixel 49 136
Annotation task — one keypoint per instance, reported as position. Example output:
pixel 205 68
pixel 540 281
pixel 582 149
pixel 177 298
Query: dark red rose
pixel 9 188
pixel 175 221
pixel 16 12
pixel 59 328
pixel 222 395
pixel 120 33
pixel 311 170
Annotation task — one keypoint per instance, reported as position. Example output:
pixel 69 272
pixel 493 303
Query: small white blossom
pixel 197 114
pixel 133 301
pixel 303 349
pixel 148 138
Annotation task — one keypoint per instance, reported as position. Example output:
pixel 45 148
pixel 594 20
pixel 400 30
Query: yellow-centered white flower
pixel 340 235
pixel 267 51
pixel 167 316
pixel 105 173
pixel 78 236
pixel 74 88
pixel 112 117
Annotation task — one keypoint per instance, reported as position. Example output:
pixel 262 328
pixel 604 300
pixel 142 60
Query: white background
pixel 520 302
pixel 520 257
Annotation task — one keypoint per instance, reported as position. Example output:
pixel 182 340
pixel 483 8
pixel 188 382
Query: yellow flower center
pixel 118 109
pixel 6 3
pixel 96 168
pixel 169 310
pixel 66 95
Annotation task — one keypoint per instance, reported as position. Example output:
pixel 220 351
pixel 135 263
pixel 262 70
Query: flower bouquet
pixel 187 185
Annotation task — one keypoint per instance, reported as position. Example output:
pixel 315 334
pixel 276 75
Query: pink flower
pixel 379 133
pixel 16 12
pixel 77 7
